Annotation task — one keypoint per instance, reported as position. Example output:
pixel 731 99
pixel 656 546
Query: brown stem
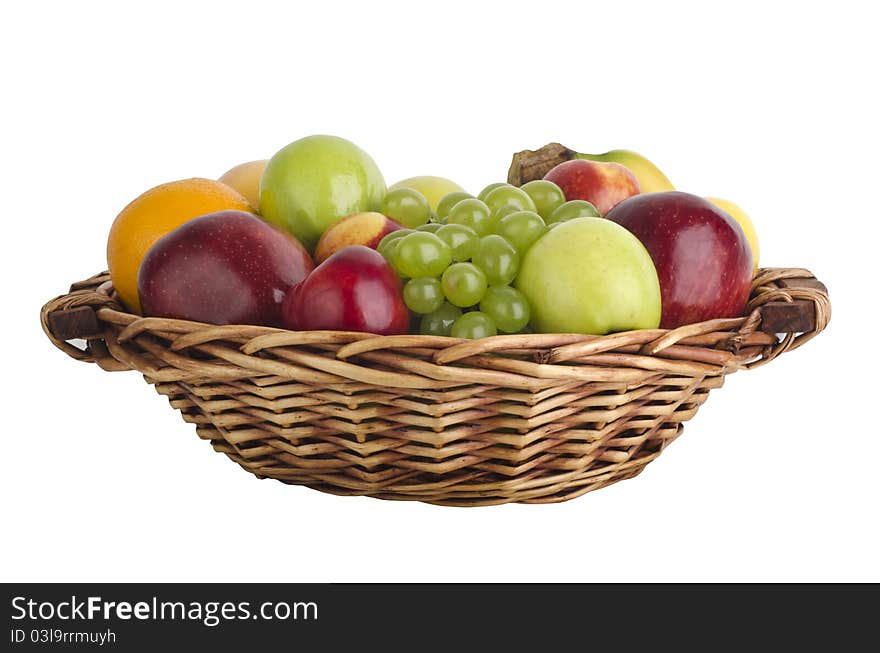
pixel 534 164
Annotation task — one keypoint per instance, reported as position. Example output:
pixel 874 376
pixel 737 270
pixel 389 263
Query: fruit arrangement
pixel 541 339
pixel 312 239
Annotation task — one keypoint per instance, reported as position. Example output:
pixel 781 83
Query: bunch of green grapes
pixel 458 269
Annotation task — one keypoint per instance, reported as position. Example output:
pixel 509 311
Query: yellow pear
pixel 744 221
pixel 433 188
pixel 651 179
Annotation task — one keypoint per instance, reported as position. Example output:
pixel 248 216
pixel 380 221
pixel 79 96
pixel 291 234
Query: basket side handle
pixel 80 323
pixel 789 303
pixel 74 316
pixel 797 315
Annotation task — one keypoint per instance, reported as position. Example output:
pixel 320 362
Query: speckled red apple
pixel 227 267
pixel 702 256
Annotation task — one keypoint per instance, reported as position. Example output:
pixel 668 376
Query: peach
pixel 604 185
pixel 245 178
pixel 367 228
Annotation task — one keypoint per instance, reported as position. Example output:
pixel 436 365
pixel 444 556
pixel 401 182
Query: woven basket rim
pixel 763 292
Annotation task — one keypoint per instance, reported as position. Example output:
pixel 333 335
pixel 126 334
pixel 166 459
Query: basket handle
pixel 74 316
pixel 798 315
pixel 80 323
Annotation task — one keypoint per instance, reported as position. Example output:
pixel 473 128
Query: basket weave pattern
pixel 522 418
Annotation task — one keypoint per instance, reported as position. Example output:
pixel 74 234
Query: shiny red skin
pixel 227 267
pixel 702 256
pixel 355 289
pixel 603 184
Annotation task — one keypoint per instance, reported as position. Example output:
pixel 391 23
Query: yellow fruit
pixel 744 221
pixel 245 178
pixel 433 188
pixel 152 215
pixel 651 179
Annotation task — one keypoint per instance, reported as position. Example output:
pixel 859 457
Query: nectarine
pixel 367 228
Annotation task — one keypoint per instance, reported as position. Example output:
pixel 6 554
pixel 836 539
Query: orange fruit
pixel 245 178
pixel 152 215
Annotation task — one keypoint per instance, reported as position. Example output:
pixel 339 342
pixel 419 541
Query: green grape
pixel 388 247
pixel 464 284
pixel 471 213
pixel 406 206
pixel 389 238
pixel 423 295
pixel 508 194
pixel 421 254
pixel 488 189
pixel 449 200
pixel 473 325
pixel 521 229
pixel 507 307
pixel 431 227
pixel 573 209
pixel 461 239
pixel 499 213
pixel 392 257
pixel 498 259
pixel 439 322
pixel 546 195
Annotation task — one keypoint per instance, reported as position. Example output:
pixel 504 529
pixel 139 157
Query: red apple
pixel 702 256
pixel 367 228
pixel 604 185
pixel 353 290
pixel 227 267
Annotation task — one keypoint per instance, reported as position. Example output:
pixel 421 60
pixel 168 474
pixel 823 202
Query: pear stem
pixel 534 164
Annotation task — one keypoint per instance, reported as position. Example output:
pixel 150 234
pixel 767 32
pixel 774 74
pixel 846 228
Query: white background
pixel 772 105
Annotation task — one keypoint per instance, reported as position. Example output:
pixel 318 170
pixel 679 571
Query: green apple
pixel 590 275
pixel 314 182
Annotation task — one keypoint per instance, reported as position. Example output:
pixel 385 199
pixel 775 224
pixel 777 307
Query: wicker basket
pixel 520 418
